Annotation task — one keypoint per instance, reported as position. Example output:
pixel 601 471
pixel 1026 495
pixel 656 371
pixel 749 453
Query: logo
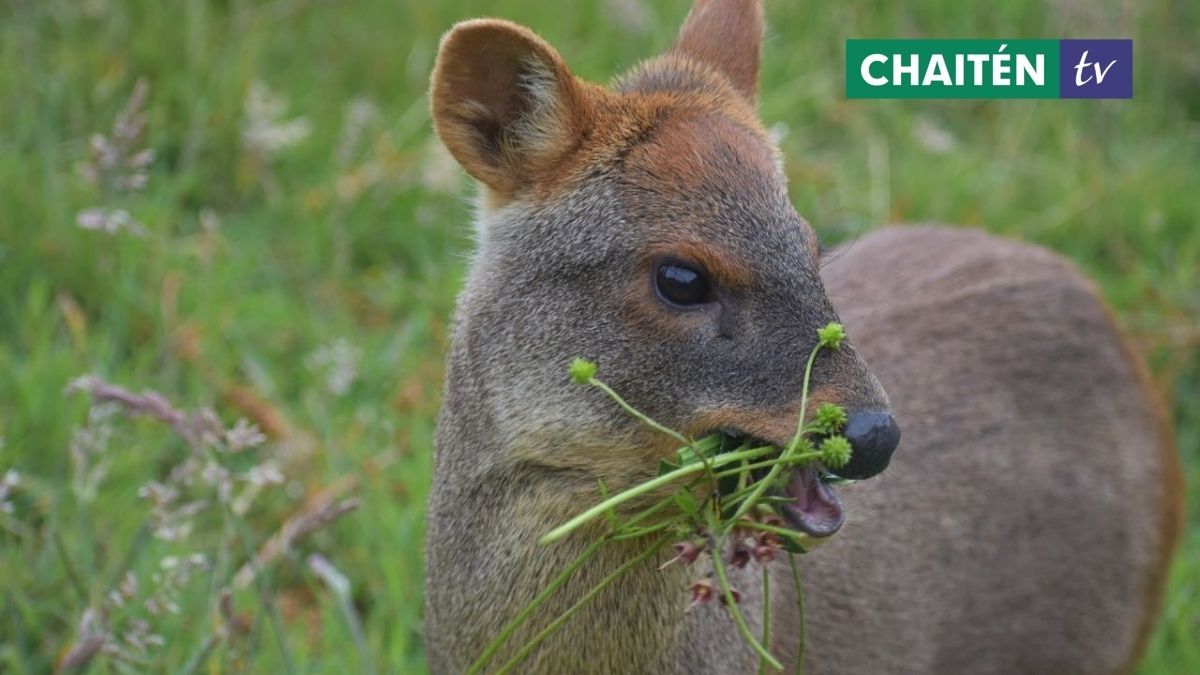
pixel 989 69
pixel 1095 68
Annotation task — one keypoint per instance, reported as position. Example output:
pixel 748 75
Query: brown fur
pixel 1025 523
pixel 776 425
pixel 1172 511
pixel 727 36
pixel 723 269
pixel 508 108
pixel 1028 428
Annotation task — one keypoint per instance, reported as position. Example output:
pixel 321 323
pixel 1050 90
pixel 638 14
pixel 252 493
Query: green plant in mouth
pixel 714 499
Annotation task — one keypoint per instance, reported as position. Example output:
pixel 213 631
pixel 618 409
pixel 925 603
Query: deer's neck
pixel 485 565
pixel 631 625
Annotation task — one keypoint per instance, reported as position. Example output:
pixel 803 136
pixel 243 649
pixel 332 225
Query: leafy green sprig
pixel 699 512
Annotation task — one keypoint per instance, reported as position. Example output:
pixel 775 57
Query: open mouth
pixel 813 505
pixel 815 508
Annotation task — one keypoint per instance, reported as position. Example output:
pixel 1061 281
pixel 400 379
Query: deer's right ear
pixel 504 102
pixel 727 35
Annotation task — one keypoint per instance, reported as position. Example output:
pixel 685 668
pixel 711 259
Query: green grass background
pixel 368 245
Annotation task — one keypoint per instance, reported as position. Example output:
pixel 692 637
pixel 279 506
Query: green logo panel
pixel 952 69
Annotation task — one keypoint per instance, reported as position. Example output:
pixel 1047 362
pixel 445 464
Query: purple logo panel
pixel 1095 68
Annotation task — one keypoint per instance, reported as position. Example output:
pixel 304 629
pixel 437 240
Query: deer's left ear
pixel 505 104
pixel 726 35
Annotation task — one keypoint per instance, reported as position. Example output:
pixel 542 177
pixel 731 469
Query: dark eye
pixel 682 285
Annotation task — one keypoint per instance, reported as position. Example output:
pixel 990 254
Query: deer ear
pixel 504 103
pixel 726 35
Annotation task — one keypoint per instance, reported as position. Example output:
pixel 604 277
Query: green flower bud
pixel 804 446
pixel 831 335
pixel 581 370
pixel 836 451
pixel 830 418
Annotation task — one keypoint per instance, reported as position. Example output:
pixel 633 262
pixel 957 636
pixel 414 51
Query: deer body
pixel 1024 526
pixel 1027 522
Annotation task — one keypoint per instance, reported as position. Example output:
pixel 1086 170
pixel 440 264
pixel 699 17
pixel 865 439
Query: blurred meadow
pixel 240 206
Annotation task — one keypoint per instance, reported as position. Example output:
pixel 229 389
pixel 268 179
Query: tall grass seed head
pixel 581 370
pixel 830 418
pixel 835 451
pixel 831 335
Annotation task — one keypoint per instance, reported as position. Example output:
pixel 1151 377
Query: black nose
pixel 873 435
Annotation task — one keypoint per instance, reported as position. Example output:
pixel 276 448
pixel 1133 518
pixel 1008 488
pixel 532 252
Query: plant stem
pixel 766 618
pixel 521 617
pixel 642 417
pixel 570 611
pixel 803 401
pixel 641 531
pixel 650 422
pixel 647 513
pixel 627 530
pixel 218 584
pixel 69 567
pixel 612 516
pixel 787 453
pixel 200 655
pixel 784 532
pixel 801 458
pixel 727 592
pixel 799 613
pixel 339 586
pixel 720 460
pixel 738 496
pixel 264 593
